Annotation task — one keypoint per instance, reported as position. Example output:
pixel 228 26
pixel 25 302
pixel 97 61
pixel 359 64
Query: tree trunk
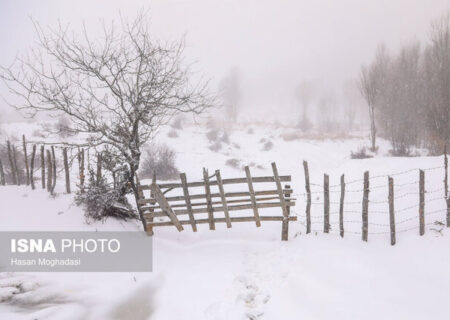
pixel 54 169
pixel 11 163
pixel 99 168
pixel 25 155
pixel 16 169
pixel 49 171
pixel 33 155
pixel 66 170
pixel 43 167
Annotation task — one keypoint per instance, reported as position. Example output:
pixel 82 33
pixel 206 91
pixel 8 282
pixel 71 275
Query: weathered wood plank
pixel 279 189
pixel 285 224
pixel 210 209
pixel 159 196
pixel 188 201
pixel 341 207
pixel 391 210
pixel 217 195
pixel 422 202
pixel 252 196
pixel 224 181
pixel 220 209
pixel 223 220
pixel 365 207
pixel 326 203
pixel 223 198
pixel 308 197
pixel 197 204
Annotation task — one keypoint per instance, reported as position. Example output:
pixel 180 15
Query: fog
pixel 274 44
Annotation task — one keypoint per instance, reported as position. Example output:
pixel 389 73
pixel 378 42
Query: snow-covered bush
pixel 101 201
pixel 159 159
pixel 361 153
pixel 216 146
pixel 63 128
pixel 233 163
pixel 267 146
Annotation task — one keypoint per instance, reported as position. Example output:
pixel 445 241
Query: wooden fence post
pixel 25 155
pixel 99 167
pixel 33 155
pixel 285 225
pixel 66 170
pixel 446 172
pixel 391 210
pixel 341 207
pixel 223 198
pixel 49 171
pixel 11 163
pixel 448 212
pixel 422 202
pixel 2 174
pixel 16 169
pixel 54 169
pixel 187 199
pixel 212 225
pixel 284 206
pixel 308 197
pixel 326 204
pixel 42 167
pixel 81 169
pixel 252 196
pixel 365 207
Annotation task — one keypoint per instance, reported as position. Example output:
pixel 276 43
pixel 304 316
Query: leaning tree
pixel 118 87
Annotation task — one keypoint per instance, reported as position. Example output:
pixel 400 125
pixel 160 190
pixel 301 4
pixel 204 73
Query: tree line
pixel 408 93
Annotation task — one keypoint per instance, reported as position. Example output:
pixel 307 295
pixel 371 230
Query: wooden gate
pixel 217 206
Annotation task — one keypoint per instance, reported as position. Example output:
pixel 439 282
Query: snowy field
pixel 247 272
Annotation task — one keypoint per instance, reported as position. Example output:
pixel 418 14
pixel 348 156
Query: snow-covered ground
pixel 247 272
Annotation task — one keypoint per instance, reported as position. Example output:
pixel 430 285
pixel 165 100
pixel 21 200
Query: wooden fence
pixel 161 209
pixel 340 189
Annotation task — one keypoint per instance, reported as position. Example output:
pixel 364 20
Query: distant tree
pixel 304 93
pixel 371 81
pixel 351 100
pixel 436 82
pixel 231 92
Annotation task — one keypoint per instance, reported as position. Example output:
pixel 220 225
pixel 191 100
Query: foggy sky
pixel 275 44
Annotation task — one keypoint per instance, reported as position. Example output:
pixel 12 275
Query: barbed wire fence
pixel 390 221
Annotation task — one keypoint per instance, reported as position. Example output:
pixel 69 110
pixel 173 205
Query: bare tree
pixel 118 88
pixel 230 89
pixel 351 100
pixel 436 71
pixel 305 93
pixel 371 81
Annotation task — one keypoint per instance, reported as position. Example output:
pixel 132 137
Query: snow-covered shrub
pixel 216 146
pixel 101 201
pixel 63 128
pixel 213 135
pixel 267 146
pixel 38 133
pixel 360 154
pixel 161 160
pixel 172 134
pixel 233 163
